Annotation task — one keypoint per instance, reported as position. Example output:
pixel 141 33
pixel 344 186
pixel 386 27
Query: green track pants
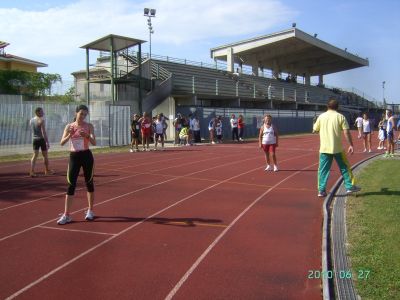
pixel 325 163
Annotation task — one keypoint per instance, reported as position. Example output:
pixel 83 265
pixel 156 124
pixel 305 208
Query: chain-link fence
pixel 111 123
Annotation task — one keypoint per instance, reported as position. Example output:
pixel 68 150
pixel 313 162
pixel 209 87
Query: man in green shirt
pixel 330 125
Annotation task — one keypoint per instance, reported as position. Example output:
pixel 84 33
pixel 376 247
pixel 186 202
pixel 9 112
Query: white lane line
pixel 75 230
pixel 126 194
pixel 173 292
pixel 114 180
pixel 24 186
pixel 44 277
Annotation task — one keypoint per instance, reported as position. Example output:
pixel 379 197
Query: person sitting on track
pixel 80 134
pixel 39 140
pixel 184 135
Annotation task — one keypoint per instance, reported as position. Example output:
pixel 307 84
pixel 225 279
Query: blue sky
pixel 52 31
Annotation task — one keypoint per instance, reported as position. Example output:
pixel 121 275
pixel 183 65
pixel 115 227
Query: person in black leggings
pixel 80 134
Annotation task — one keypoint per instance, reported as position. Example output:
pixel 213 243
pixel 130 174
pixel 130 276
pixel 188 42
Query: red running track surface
pixel 203 222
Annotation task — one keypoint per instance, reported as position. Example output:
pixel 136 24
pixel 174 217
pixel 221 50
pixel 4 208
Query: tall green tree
pixel 27 83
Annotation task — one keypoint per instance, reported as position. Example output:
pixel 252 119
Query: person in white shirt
pixel 367 131
pixel 195 128
pixel 218 129
pixel 359 124
pixel 159 132
pixel 268 141
pixel 390 126
pixel 234 128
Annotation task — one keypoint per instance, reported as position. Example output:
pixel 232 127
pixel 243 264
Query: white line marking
pixel 215 242
pixel 114 180
pixel 126 194
pixel 44 277
pixel 75 230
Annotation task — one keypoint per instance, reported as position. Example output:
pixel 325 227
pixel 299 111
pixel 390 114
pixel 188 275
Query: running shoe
pixel 49 172
pixel 391 155
pixel 64 220
pixel 276 168
pixel 89 215
pixel 369 151
pixel 32 174
pixel 268 168
pixel 365 150
pixel 322 194
pixel 131 150
pixel 353 189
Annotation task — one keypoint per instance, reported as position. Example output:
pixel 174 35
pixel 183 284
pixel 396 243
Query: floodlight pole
pixel 150 13
pixel 383 93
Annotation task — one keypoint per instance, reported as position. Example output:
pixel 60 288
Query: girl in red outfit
pixel 146 130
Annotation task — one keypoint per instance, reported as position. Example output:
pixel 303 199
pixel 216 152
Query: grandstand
pixel 236 79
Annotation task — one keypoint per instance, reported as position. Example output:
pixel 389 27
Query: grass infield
pixel 373 227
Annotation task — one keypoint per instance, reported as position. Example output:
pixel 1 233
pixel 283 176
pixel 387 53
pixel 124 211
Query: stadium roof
pixel 291 51
pixel 118 42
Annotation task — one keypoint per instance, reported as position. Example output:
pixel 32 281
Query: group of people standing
pixel 215 129
pixel 386 129
pixel 144 129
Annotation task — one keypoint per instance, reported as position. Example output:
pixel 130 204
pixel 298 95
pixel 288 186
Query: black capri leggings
pixel 77 160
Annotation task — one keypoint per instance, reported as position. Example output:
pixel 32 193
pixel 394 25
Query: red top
pixel 78 142
pixel 240 123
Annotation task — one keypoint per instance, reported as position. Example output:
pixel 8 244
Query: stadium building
pixel 271 72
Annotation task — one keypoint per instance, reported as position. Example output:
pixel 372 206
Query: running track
pixel 202 222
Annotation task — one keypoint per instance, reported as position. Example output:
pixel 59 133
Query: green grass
pixel 373 225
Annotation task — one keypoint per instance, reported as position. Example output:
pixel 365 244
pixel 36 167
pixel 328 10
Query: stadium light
pixel 293 25
pixel 149 13
pixel 383 92
pixel 315 35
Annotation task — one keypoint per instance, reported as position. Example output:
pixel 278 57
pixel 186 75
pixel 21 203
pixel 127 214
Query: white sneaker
pixel 64 220
pixel 213 142
pixel 365 150
pixel 276 168
pixel 89 215
pixel 268 168
pixel 131 150
pixel 369 151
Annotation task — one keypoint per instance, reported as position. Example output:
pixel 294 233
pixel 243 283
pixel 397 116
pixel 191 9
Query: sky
pixel 53 31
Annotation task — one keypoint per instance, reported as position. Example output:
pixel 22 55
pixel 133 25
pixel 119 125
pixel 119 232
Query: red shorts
pixel 146 132
pixel 267 147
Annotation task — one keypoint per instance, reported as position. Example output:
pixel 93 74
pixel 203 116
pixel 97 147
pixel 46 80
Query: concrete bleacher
pixel 209 81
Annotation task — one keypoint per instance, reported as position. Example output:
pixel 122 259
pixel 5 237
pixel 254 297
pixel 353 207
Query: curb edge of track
pixel 326 262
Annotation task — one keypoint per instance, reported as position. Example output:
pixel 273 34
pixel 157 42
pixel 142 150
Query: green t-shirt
pixel 330 125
